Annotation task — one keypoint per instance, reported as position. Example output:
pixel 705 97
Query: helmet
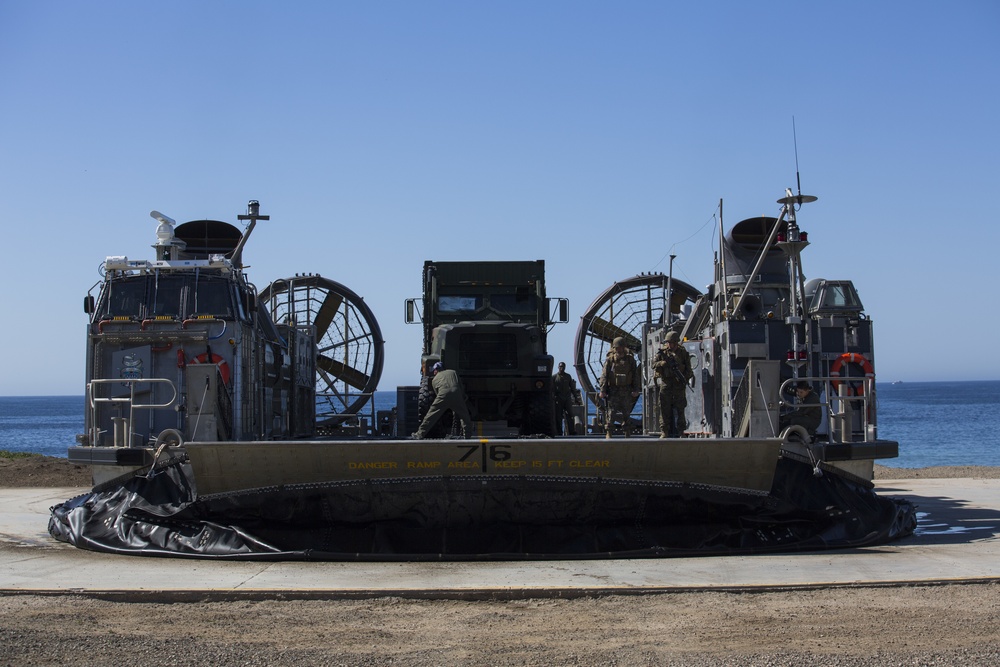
pixel 618 342
pixel 671 337
pixel 438 366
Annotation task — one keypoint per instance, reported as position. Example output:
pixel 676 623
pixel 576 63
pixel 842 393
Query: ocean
pixel 935 423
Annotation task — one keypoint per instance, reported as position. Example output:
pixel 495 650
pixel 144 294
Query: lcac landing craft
pixel 229 457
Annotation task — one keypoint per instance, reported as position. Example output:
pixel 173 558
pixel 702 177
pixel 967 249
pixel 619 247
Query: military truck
pixel 488 321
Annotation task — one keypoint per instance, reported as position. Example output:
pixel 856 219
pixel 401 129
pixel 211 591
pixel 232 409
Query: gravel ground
pixel 915 625
pixel 933 625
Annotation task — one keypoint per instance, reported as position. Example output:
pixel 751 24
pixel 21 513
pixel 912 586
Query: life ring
pixel 218 361
pixel 851 358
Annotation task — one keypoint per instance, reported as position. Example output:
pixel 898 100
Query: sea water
pixel 941 423
pixel 935 423
pixel 49 424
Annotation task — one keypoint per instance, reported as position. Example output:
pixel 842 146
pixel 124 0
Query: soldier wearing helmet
pixel 672 372
pixel 620 384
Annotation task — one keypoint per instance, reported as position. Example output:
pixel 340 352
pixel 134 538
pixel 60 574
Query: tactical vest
pixel 622 372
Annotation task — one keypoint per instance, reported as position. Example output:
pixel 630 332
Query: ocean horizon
pixel 935 423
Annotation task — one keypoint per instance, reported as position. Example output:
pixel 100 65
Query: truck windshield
pixel 514 304
pixel 459 303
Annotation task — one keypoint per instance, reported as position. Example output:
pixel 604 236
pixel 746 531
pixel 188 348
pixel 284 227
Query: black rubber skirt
pixel 480 518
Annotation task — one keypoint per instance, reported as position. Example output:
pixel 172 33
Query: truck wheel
pixel 424 399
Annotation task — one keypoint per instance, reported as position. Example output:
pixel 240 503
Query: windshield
pixel 513 304
pixel 460 303
pixel 167 295
pixel 836 296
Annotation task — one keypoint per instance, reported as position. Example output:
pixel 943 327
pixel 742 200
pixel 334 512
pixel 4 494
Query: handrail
pixel 841 396
pixel 117 319
pixel 355 417
pixel 159 319
pixel 130 400
pixel 207 320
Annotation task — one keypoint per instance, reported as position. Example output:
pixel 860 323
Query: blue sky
pixel 597 136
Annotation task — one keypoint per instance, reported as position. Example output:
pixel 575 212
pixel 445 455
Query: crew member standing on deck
pixel 620 384
pixel 672 369
pixel 448 395
pixel 564 392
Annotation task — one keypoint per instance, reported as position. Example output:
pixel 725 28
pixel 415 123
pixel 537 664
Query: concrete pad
pixel 957 540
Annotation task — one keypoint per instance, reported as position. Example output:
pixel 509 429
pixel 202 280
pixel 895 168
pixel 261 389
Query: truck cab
pixel 488 322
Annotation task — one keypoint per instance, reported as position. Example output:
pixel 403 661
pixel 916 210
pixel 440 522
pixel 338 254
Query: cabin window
pixel 836 297
pixel 168 293
pixel 212 298
pixel 124 298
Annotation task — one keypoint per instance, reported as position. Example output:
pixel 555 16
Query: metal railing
pixel 122 426
pixel 353 423
pixel 840 406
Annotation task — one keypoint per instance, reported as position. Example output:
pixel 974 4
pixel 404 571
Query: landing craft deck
pixel 747 465
pixel 219 423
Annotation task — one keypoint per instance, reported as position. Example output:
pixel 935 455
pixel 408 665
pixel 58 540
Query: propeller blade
pixel 326 313
pixel 342 371
pixel 607 332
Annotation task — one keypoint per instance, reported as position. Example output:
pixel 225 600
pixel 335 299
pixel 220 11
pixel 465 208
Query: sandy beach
pixel 912 625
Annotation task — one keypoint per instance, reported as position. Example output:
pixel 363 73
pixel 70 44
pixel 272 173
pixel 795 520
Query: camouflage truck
pixel 488 321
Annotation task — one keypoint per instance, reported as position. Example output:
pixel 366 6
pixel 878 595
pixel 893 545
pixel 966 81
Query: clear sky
pixel 598 136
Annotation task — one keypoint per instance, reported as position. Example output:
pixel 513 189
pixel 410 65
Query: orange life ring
pixel 851 358
pixel 218 361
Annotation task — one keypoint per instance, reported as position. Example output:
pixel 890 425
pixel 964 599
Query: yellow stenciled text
pixel 590 464
pixel 511 464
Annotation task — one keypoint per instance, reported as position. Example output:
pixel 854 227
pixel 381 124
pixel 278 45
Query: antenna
pixel 795 143
pixel 789 199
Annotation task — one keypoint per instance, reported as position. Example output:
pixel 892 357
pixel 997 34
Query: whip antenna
pixel 795 144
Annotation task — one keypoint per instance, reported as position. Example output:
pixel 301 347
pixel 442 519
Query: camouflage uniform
pixel 672 368
pixel 620 383
pixel 448 395
pixel 564 393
